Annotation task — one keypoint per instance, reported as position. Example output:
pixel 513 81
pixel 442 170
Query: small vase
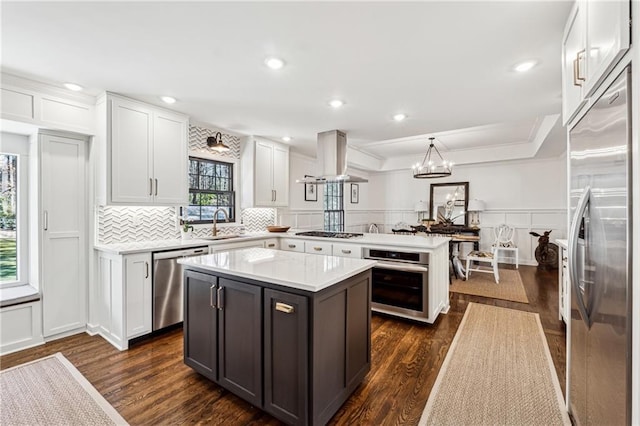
pixel 186 235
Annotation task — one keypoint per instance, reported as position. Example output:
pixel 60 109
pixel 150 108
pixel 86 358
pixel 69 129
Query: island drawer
pixel 317 247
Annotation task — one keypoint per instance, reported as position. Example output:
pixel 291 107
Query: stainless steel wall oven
pixel 400 282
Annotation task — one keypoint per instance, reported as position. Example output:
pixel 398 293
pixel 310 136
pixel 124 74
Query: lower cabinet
pixel 123 297
pixel 315 348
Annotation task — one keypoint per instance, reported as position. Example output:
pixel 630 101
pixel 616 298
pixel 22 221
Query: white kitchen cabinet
pixel 596 36
pixel 35 103
pixel 265 171
pixel 347 250
pixel 63 232
pixel 138 294
pixel 318 247
pixel 271 243
pixel 292 244
pixel 143 153
pixel 124 297
pixel 608 38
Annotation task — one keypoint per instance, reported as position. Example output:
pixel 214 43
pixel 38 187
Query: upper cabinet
pixel 596 37
pixel 144 150
pixel 265 169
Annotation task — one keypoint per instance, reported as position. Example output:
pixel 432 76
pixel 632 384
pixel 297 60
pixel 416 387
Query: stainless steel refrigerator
pixel 600 260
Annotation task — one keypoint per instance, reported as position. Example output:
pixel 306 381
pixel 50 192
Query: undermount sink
pixel 222 237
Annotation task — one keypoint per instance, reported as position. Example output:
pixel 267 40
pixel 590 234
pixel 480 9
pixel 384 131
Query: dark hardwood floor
pixel 149 384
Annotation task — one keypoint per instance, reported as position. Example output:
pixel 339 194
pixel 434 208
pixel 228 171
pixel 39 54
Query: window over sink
pixel 210 188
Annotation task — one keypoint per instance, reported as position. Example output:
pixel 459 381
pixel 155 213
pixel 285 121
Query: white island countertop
pixel 302 271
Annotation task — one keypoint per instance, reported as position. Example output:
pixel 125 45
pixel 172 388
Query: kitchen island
pixel 288 332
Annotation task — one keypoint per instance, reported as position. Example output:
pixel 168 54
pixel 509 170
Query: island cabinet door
pixel 286 356
pixel 200 325
pixel 240 339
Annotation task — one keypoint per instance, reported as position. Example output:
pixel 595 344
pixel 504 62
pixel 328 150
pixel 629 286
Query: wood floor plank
pixel 150 385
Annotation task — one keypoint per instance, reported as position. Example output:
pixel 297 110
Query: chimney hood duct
pixel 332 156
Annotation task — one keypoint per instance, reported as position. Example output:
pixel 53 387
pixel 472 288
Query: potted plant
pixel 186 230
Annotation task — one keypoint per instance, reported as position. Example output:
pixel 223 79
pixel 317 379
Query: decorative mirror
pixel 449 202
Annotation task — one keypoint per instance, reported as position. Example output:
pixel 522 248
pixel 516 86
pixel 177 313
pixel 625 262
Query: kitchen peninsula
pixel 288 332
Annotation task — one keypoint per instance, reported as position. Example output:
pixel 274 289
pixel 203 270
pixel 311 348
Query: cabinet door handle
pixel 146 266
pixel 275 195
pixel 271 245
pixel 283 307
pixel 150 186
pixel 292 246
pixel 156 187
pixel 220 297
pixel 317 248
pixel 211 296
pixel 578 76
pixel 346 251
pixel 46 220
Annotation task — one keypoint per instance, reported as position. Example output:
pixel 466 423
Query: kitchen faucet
pixel 215 219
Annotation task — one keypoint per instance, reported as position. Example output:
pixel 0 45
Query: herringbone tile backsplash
pixel 198 142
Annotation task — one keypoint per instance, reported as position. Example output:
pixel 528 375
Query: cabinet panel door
pixel 263 176
pixel 285 356
pixel 169 159
pixel 573 61
pixel 240 339
pixel 131 139
pixel 200 323
pixel 608 37
pixel 64 277
pixel 138 294
pixel 281 175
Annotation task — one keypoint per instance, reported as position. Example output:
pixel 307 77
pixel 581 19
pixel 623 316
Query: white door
pixel 138 294
pixel 131 150
pixel 280 175
pixel 169 159
pixel 64 247
pixel 263 174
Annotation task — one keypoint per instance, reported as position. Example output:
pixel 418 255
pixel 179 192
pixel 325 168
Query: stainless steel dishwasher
pixel 168 286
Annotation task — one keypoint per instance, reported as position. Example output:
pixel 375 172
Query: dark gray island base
pixel 296 354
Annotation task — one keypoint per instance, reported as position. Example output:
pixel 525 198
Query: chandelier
pixel 432 168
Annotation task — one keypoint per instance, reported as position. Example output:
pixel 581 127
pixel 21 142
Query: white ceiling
pixel 448 65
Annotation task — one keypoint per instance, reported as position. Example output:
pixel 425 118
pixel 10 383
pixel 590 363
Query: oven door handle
pixel 397 266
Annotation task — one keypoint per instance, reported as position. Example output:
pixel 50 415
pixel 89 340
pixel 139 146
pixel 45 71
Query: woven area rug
pixel 51 391
pixel 498 371
pixel 482 284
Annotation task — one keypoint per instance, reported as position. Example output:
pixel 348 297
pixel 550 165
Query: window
pixel 210 188
pixel 334 207
pixel 8 218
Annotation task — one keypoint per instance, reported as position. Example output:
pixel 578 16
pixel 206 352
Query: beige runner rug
pixel 51 391
pixel 481 284
pixel 498 371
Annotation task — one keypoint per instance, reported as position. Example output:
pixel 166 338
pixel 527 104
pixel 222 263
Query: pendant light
pixel 432 168
pixel 216 144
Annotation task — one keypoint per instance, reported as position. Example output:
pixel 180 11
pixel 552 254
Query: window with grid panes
pixel 210 188
pixel 334 207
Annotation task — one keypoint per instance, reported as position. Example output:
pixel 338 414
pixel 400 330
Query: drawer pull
pixel 346 251
pixel 271 245
pixel 317 248
pixel 292 246
pixel 283 307
pixel 211 296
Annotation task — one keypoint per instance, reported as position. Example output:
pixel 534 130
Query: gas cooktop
pixel 329 234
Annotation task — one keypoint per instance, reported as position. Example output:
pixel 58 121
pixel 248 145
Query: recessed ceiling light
pixel 399 117
pixel 336 103
pixel 274 63
pixel 524 66
pixel 168 99
pixel 286 138
pixel 73 86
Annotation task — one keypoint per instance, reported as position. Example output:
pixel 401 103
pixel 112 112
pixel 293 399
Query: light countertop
pixel 420 242
pixel 562 243
pixel 301 271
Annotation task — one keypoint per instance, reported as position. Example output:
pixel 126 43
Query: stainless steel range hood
pixel 332 156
